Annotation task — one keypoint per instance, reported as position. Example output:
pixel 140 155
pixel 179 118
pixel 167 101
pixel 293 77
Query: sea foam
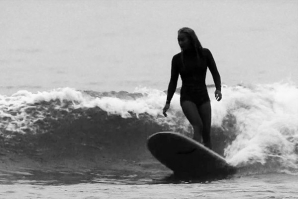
pixel 255 124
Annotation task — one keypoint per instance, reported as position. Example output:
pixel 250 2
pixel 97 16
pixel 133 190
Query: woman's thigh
pixel 205 113
pixel 191 112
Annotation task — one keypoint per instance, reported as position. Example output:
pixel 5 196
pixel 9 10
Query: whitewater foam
pixel 266 122
pixel 256 124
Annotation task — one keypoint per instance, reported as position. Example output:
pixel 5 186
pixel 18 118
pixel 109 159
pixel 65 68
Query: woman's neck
pixel 190 51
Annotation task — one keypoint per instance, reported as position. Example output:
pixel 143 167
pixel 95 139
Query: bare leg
pixel 205 113
pixel 191 112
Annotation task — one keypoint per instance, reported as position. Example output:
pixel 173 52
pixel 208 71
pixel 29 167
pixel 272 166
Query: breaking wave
pixel 253 126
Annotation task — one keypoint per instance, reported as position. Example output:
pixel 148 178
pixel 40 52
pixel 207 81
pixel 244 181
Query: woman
pixel 191 63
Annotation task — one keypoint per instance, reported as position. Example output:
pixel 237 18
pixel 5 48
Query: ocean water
pixel 83 84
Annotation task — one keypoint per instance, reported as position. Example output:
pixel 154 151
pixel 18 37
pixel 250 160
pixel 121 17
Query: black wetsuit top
pixel 193 71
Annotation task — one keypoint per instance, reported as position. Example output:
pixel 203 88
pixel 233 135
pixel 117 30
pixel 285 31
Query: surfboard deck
pixel 184 156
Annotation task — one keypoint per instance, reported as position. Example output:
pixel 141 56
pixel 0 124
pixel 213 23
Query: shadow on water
pixel 178 179
pixel 103 176
pixel 44 177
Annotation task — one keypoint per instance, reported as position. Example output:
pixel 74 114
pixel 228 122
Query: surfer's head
pixel 188 39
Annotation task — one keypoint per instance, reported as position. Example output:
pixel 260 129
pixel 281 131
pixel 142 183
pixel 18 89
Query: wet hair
pixel 196 44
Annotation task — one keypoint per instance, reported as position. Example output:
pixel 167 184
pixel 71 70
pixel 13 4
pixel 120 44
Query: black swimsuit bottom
pixel 196 95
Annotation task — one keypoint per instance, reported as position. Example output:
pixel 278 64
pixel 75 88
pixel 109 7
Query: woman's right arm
pixel 172 86
pixel 173 81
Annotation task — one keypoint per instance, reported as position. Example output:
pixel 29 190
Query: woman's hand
pixel 218 95
pixel 167 106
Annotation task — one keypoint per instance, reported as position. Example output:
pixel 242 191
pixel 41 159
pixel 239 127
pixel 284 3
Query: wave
pixel 254 127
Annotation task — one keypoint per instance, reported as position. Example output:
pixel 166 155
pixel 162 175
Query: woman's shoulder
pixel 177 56
pixel 206 51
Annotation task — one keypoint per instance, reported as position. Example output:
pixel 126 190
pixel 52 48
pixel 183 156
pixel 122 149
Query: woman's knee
pixel 197 127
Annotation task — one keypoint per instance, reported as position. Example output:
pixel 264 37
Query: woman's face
pixel 183 41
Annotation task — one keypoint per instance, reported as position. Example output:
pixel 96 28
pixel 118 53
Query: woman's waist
pixel 193 86
pixel 193 90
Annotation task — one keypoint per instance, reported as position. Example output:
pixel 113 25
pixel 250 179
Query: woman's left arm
pixel 215 74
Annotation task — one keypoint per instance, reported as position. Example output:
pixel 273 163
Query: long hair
pixel 196 44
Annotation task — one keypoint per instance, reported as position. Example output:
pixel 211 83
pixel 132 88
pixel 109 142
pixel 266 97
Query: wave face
pixel 252 127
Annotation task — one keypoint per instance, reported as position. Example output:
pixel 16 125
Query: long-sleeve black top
pixel 192 70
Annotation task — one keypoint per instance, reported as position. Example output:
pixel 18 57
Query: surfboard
pixel 185 156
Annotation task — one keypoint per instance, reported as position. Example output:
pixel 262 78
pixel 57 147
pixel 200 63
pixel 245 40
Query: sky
pixel 120 45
